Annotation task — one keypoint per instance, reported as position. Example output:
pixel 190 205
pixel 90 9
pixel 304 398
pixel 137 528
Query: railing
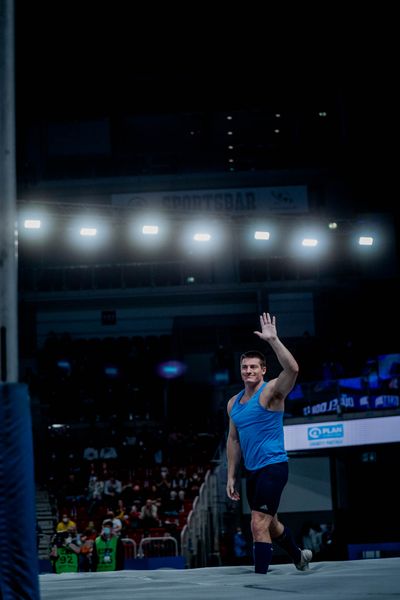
pixel 200 536
pixel 130 547
pixel 158 546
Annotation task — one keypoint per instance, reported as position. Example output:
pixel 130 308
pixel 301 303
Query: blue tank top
pixel 260 432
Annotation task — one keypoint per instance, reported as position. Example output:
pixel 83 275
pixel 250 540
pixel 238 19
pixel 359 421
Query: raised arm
pixel 284 383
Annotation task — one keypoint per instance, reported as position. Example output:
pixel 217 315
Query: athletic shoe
pixel 306 557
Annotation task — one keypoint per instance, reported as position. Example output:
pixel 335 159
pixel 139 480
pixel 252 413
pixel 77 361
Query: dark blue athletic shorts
pixel 265 486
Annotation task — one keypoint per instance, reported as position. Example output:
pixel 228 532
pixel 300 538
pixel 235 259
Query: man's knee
pixel 260 522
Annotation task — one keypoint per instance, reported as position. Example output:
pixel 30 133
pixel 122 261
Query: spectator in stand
pixel 194 485
pixel 134 517
pixel 181 500
pixel 240 548
pixel 85 557
pixel 95 493
pixel 93 470
pixel 138 496
pixel 180 481
pixel 163 484
pixel 151 490
pixel 120 511
pixel 108 550
pixel 65 523
pixel 116 521
pixel 65 550
pixel 311 537
pixel 127 494
pixel 112 491
pixel 172 506
pixel 149 514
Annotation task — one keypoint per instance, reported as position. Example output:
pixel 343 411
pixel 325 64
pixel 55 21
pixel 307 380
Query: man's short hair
pixel 254 354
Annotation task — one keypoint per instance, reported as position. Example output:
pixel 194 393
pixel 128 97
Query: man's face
pixel 251 370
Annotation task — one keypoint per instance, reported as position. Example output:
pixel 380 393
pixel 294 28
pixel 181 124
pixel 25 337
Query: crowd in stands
pixel 145 484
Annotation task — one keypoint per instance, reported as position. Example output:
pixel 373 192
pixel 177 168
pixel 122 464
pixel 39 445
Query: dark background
pixel 83 60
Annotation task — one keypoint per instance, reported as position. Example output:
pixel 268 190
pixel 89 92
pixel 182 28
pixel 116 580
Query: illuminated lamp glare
pixel 171 369
pixel 150 229
pixel 261 235
pixel 32 224
pixel 309 242
pixel 88 231
pixel 366 241
pixel 64 364
pixel 202 237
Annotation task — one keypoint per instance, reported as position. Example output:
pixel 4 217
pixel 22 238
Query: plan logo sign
pixel 325 432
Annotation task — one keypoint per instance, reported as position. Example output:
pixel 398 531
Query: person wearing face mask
pixel 65 550
pixel 65 523
pixel 108 550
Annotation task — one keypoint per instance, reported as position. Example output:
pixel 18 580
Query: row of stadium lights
pixel 199 236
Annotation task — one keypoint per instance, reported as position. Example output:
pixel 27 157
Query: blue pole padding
pixel 19 579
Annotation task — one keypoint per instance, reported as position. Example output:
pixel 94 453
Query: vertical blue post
pixel 19 579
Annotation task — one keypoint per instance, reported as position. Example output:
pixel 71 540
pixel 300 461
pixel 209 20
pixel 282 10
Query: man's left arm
pixel 284 383
pixel 290 369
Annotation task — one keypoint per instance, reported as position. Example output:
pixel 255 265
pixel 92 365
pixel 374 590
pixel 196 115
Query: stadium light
pixel 35 224
pixel 365 240
pixel 150 229
pixel 202 237
pixel 32 223
pixel 89 233
pixel 261 235
pixel 309 242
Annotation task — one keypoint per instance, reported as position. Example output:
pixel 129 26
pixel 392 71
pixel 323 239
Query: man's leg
pixel 283 537
pixel 262 541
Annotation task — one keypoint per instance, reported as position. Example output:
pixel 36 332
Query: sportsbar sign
pixel 276 200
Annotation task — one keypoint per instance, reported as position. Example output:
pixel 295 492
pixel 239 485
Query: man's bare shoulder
pixel 268 391
pixel 270 397
pixel 230 402
pixel 269 388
